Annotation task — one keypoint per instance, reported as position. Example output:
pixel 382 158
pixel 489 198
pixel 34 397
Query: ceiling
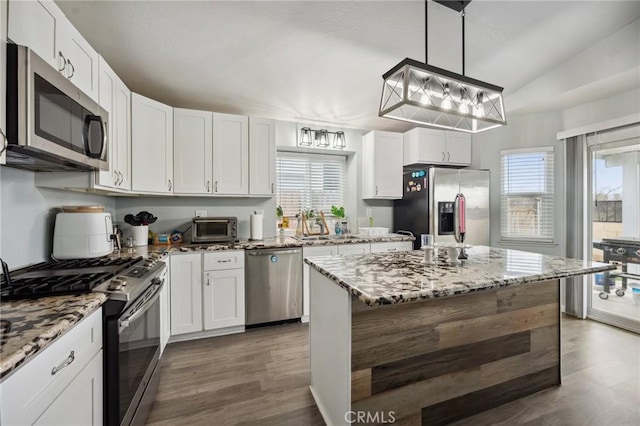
pixel 322 61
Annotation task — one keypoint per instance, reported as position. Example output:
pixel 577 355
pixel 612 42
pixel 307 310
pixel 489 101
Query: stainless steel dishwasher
pixel 273 285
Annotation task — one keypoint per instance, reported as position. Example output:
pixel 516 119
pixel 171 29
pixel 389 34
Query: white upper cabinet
pixel 151 145
pixel 430 146
pixel 41 25
pixel 262 156
pixel 382 165
pixel 81 60
pixel 115 98
pixel 3 78
pixel 192 151
pixel 122 135
pixel 230 154
pixel 37 24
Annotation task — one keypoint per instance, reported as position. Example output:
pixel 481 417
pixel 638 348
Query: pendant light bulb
pixel 478 109
pixel 446 97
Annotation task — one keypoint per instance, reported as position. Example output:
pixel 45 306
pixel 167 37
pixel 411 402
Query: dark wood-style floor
pixel 261 377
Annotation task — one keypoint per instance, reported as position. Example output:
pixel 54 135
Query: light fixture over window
pixel 305 137
pixel 420 93
pixel 321 138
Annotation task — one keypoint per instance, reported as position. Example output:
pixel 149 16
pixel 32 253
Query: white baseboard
pixel 207 333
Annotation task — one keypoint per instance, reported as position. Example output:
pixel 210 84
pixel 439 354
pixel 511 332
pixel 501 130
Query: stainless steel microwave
pixel 51 124
pixel 214 230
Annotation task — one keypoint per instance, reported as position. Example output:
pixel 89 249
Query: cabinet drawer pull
pixel 68 361
pixel 224 261
pixel 392 249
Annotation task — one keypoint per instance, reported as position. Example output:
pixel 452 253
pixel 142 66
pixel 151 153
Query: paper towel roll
pixel 256 227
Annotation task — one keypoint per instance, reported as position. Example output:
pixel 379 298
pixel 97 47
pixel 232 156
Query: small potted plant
pixel 341 223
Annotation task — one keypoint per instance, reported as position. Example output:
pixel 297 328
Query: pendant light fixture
pixel 420 93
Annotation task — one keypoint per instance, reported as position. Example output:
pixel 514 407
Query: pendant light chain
pixel 426 32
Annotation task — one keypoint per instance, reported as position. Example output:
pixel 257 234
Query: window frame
pixel 312 157
pixel 546 199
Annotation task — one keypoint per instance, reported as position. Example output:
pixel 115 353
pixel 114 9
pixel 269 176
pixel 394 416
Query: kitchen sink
pixel 313 238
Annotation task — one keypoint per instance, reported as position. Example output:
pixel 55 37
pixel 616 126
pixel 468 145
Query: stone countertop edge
pixel 37 323
pixel 269 243
pixel 454 287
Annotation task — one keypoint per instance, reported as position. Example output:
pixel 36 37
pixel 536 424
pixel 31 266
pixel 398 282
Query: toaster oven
pixel 214 230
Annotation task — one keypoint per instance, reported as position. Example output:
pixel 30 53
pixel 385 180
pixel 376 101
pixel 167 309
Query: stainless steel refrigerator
pixel 427 206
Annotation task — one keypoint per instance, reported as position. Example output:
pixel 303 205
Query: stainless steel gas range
pixel 131 321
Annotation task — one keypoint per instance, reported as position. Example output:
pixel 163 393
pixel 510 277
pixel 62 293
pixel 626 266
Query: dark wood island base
pixel 433 362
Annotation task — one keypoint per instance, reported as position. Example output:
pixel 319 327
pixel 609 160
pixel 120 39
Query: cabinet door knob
pixel 170 186
pixel 73 69
pixel 64 62
pixel 65 363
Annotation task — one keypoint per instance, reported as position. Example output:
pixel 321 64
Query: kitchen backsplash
pixel 27 216
pixel 177 212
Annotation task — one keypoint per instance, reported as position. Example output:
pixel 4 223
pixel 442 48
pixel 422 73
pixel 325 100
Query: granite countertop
pixel 384 278
pixel 275 242
pixel 28 326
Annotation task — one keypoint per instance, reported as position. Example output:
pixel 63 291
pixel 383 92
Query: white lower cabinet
pixel 62 385
pixel 223 295
pixel 165 310
pixel 80 403
pixel 391 246
pixel 309 252
pixel 186 293
pixel 207 292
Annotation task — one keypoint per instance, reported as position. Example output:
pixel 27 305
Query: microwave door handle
pixel 87 123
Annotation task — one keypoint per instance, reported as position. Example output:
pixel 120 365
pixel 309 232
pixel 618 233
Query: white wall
pixel 27 216
pixel 533 130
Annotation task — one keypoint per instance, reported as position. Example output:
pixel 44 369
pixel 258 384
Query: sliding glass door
pixel 614 229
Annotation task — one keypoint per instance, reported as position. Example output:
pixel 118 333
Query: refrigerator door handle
pixel 459 220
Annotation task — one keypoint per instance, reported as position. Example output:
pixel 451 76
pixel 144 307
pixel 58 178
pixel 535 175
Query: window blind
pixel 527 194
pixel 309 181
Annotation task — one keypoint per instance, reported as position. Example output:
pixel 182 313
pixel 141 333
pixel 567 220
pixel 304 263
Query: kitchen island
pixel 395 340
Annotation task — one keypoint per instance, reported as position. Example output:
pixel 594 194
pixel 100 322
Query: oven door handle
pixel 125 322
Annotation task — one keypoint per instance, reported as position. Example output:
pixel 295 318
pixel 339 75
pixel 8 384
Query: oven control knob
pixel 621 250
pixel 637 252
pixel 121 279
pixel 114 286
